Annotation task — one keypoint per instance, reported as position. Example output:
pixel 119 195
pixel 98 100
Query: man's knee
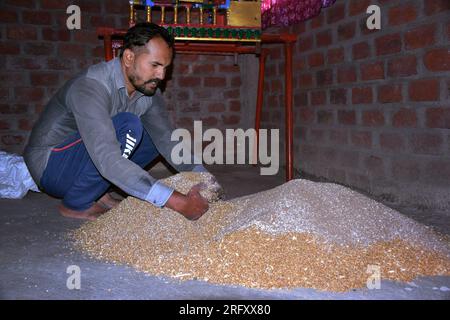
pixel 128 120
pixel 128 123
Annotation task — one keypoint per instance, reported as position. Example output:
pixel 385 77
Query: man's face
pixel 148 68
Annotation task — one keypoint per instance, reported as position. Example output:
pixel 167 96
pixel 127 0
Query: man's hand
pixel 192 206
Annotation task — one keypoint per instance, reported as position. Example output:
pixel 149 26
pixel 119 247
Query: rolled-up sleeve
pixel 159 194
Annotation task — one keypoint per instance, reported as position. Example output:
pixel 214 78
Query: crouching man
pixel 104 126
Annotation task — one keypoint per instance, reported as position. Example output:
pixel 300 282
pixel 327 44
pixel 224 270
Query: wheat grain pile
pixel 300 234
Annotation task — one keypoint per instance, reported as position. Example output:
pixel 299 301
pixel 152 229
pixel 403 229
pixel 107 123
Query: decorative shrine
pixel 213 20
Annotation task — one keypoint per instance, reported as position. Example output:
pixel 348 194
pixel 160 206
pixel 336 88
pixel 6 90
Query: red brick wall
pixel 38 53
pixel 372 108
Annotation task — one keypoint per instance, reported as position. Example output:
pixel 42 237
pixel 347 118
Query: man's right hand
pixel 192 205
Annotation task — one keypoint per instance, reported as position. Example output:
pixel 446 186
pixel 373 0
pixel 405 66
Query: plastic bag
pixel 15 179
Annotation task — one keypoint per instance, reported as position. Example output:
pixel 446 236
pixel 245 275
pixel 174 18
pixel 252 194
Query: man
pixel 104 126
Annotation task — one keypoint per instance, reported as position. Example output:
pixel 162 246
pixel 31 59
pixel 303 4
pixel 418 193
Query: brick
pixel 306 115
pixel 71 50
pixel 299 27
pixel 360 50
pixel 234 105
pixel 317 135
pixel 44 79
pixel 39 49
pixel 29 94
pixel 438 172
pixel 305 80
pixel 405 170
pixel 324 77
pixel 348 159
pixel 404 118
pixel 11 139
pixel 436 6
pixel 103 21
pixel 216 107
pixel 318 97
pixel 335 13
pixel 374 165
pixel 309 152
pixel 59 64
pixel 424 90
pixel 392 141
pixel 9 79
pixel 346 31
pixel 113 7
pixel 188 82
pixel 300 99
pixel 25 63
pixel 361 139
pixel 185 122
pixel 203 69
pixel 183 95
pixel 4 94
pixel 54 4
pixel 236 81
pixel 37 17
pixel 50 34
pixel 315 59
pixel 338 137
pixel 323 38
pixel 232 94
pixel 372 71
pixel 438 118
pixel 346 75
pixel 335 55
pixel 372 118
pixel 26 124
pixel 305 43
pixel 388 44
pixel 325 117
pixel 8 16
pixel 437 59
pixel 362 95
pixel 231 119
pixel 5 125
pixel 426 143
pixel 390 93
pixel 402 14
pixel 317 21
pixel 338 96
pixel 347 117
pixel 93 6
pixel 402 67
pixel 9 48
pixel 88 37
pixel 21 33
pixel 358 7
pixel 228 68
pixel 329 154
pixel 420 37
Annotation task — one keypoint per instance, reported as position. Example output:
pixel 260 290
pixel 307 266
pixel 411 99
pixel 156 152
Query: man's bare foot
pixel 89 214
pixel 107 201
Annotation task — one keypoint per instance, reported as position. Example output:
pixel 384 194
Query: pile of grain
pixel 300 234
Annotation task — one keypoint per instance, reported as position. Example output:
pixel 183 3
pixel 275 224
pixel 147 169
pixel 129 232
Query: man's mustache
pixel 155 81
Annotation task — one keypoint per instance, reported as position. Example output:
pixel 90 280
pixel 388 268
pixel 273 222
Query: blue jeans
pixel 70 173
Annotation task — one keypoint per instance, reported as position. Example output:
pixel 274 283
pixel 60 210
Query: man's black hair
pixel 143 32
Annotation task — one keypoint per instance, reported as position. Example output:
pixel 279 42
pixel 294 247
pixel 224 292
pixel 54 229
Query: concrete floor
pixel 35 257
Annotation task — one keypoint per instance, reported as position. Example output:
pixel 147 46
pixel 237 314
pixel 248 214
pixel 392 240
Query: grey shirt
pixel 86 104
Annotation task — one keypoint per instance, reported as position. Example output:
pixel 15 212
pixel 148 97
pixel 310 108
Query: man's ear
pixel 128 57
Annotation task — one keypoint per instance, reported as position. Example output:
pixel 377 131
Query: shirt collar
pixel 118 74
pixel 119 78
